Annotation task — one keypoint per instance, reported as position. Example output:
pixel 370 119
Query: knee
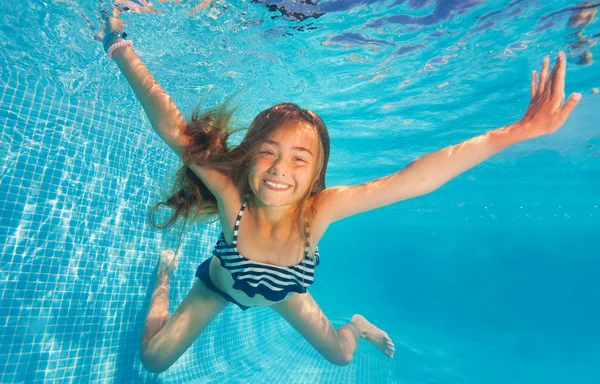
pixel 341 359
pixel 153 361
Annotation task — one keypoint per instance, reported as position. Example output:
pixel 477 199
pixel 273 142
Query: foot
pixel 167 263
pixel 374 335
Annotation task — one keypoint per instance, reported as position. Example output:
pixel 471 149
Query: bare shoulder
pixel 225 191
pixel 324 205
pixel 230 203
pixel 216 181
pixel 321 219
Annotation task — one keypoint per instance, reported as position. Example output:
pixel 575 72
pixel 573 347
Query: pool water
pixel 490 279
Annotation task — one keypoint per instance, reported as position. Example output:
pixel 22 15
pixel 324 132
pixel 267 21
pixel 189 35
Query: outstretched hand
pixel 546 112
pixel 114 23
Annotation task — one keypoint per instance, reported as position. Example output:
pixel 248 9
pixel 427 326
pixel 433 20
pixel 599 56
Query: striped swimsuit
pixel 273 282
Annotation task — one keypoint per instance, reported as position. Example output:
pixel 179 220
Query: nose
pixel 278 169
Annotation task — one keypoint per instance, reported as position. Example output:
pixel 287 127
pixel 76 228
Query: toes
pixel 168 261
pixel 168 254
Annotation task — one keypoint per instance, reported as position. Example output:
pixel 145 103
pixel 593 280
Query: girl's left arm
pixel 545 115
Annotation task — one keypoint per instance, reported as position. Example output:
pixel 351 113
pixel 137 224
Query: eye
pixel 299 159
pixel 266 152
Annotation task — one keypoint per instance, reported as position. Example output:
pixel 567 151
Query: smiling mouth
pixel 276 186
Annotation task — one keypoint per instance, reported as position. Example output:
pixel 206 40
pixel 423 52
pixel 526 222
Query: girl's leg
pixel 164 340
pixel 337 346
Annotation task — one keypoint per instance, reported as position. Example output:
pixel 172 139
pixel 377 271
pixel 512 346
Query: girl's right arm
pixel 165 117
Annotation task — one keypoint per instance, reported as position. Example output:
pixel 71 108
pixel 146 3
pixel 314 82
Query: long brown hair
pixel 209 133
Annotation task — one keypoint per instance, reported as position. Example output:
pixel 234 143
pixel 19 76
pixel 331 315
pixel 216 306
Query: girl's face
pixel 284 164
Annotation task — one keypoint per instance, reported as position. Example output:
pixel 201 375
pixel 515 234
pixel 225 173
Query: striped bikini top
pixel 273 282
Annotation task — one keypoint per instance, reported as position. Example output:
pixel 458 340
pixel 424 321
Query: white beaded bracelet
pixel 120 44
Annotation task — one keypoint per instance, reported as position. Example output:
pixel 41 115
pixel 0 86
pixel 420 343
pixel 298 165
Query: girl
pixel 270 196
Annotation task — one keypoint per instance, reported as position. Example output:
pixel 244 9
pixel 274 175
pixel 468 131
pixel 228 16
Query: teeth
pixel 276 185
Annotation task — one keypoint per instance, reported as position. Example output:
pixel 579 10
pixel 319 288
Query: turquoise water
pixel 490 279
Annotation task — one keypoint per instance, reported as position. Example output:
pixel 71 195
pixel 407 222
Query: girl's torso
pixel 287 257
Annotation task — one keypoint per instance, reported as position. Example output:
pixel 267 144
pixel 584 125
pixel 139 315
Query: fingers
pixel 554 82
pixel 543 75
pixel 569 105
pixel 533 85
pixel 557 79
